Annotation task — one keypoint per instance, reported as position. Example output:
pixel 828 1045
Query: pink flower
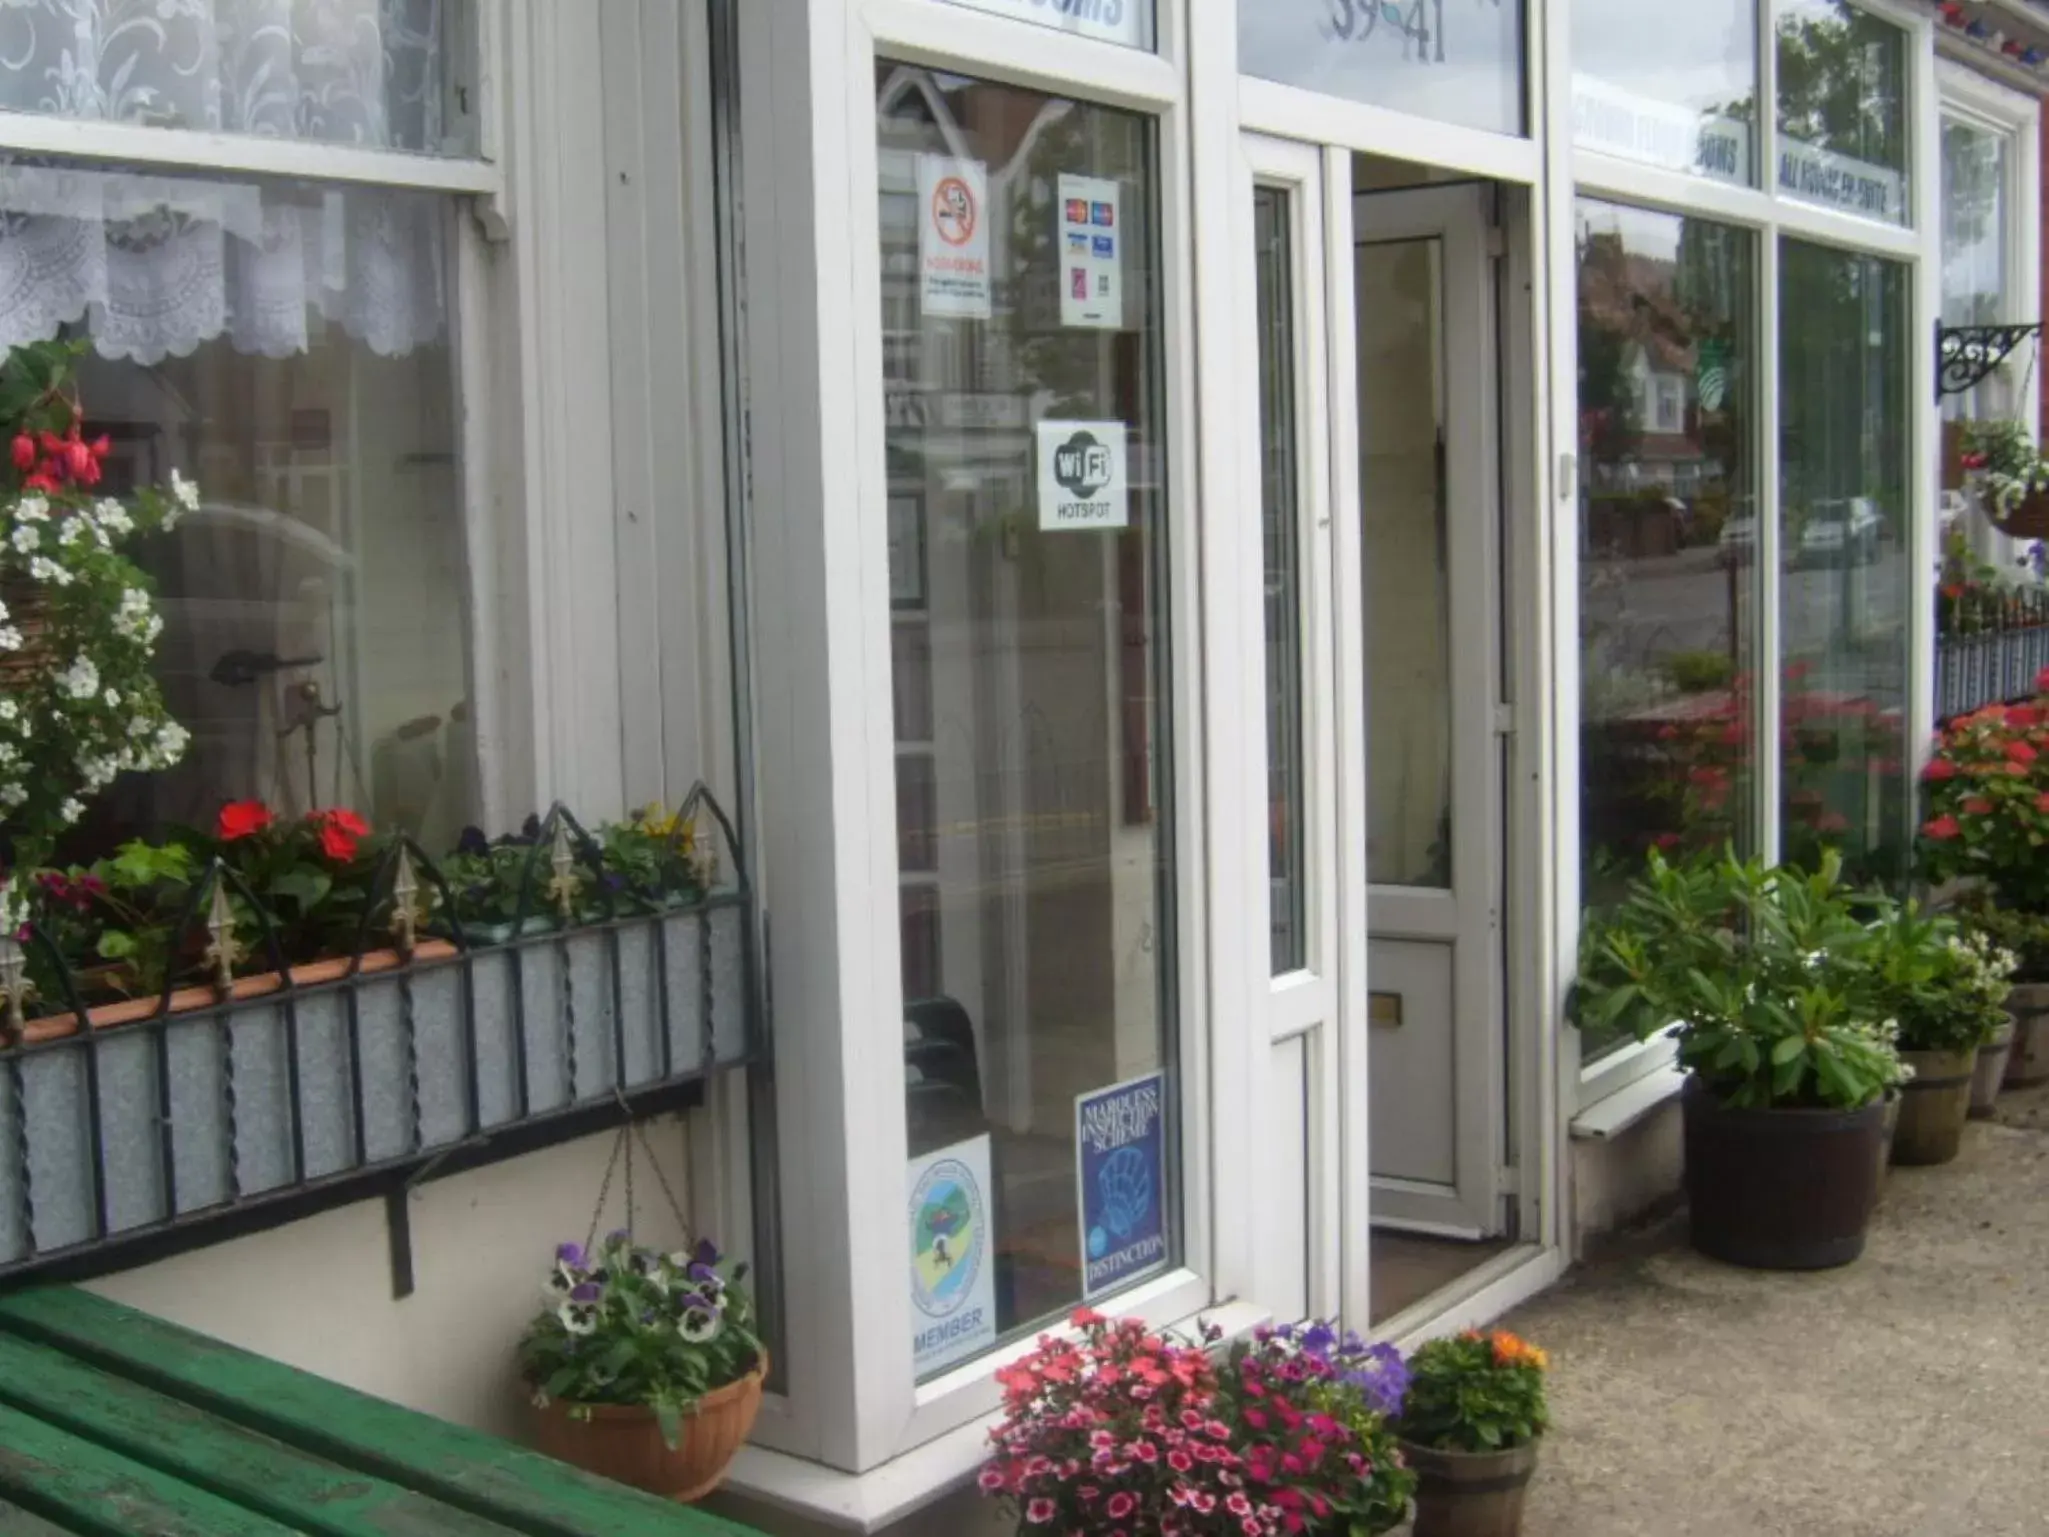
pixel 990 1480
pixel 1039 1512
pixel 1121 1505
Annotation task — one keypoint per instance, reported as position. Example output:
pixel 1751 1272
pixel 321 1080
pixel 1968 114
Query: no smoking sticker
pixel 953 237
pixel 1082 477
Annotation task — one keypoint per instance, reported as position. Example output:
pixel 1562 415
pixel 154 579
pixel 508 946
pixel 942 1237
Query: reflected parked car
pixel 1840 531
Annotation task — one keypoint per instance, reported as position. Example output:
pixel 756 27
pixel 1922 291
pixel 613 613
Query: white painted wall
pixel 317 1294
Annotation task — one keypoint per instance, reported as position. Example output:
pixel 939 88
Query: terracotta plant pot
pixel 184 1000
pixel 1470 1494
pixel 623 1442
pixel 1990 1071
pixel 1934 1104
pixel 1780 1189
pixel 2028 1064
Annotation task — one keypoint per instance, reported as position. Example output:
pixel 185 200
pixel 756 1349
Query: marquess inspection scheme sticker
pixel 953 1274
pixel 1081 476
pixel 1120 1158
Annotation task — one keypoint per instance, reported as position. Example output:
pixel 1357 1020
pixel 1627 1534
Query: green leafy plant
pixel 79 702
pixel 1696 672
pixel 312 875
pixel 632 1325
pixel 1761 971
pixel 1475 1392
pixel 2023 935
pixel 1945 988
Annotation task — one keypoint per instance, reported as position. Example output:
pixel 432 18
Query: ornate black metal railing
pixel 432 1047
pixel 1964 355
pixel 1990 647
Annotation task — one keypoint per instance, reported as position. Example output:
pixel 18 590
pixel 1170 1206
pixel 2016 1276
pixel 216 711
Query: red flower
pixel 101 446
pixel 78 458
pixel 2042 801
pixel 1978 806
pixel 336 844
pixel 346 820
pixel 24 452
pixel 2020 752
pixel 242 819
pixel 1942 829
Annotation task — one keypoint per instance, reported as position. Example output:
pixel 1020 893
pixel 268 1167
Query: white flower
pixel 171 742
pixel 9 709
pixel 142 726
pixel 578 1317
pixel 81 680
pixel 113 516
pixel 13 795
pixel 185 491
pixel 70 531
pixel 697 1325
pixel 27 538
pixel 10 640
pixel 44 569
pixel 9 753
pixel 31 509
pixel 132 620
pixel 71 810
pixel 112 698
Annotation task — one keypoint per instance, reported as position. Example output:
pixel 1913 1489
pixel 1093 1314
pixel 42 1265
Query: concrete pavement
pixel 1904 1396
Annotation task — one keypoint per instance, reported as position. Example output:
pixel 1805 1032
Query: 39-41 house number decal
pixel 1418 23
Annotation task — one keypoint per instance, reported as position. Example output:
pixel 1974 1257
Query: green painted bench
pixel 116 1424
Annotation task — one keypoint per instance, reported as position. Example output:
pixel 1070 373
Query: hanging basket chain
pixel 634 1130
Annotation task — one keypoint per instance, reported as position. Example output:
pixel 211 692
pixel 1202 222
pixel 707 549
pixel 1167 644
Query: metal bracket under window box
pixel 1965 355
pixel 129 1142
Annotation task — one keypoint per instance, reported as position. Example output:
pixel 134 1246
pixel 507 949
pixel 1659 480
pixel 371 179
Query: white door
pixel 1429 494
pixel 1302 695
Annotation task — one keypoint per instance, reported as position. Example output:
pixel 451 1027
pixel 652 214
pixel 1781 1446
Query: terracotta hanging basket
pixel 2029 518
pixel 623 1442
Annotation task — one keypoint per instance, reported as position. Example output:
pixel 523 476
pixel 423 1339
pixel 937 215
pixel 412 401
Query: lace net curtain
pixel 155 265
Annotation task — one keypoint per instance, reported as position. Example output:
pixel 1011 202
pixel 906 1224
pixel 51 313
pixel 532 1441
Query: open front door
pixel 1429 479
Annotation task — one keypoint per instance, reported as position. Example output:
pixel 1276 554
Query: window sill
pixel 1615 1113
pixel 868 1502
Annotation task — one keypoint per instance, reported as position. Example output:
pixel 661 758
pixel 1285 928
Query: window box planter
pixel 357 1073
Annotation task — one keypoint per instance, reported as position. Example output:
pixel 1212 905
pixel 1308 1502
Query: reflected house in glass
pixel 1191 546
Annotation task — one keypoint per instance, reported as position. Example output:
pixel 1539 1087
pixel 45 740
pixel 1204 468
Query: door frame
pixel 1457 215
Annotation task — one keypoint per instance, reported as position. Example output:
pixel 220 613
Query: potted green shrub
pixel 645 1367
pixel 1947 993
pixel 1762 975
pixel 1469 1427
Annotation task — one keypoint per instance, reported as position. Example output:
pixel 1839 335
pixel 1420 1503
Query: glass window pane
pixel 1669 85
pixel 1459 61
pixel 378 73
pixel 1974 227
pixel 1022 384
pixel 1842 109
pixel 1281 515
pixel 1402 420
pixel 1844 589
pixel 283 344
pixel 1668 541
pixel 1129 22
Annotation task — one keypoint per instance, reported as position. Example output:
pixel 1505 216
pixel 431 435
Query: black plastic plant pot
pixel 1780 1189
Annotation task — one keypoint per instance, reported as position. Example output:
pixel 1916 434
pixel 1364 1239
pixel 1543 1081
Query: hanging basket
pixel 26 613
pixel 2029 518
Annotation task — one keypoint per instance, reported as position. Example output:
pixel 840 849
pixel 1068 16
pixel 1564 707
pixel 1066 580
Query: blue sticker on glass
pixel 1104 246
pixel 1120 1145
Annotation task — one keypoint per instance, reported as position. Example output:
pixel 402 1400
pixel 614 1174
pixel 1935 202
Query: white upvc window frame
pixel 1991 106
pixel 853 1402
pixel 1769 215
